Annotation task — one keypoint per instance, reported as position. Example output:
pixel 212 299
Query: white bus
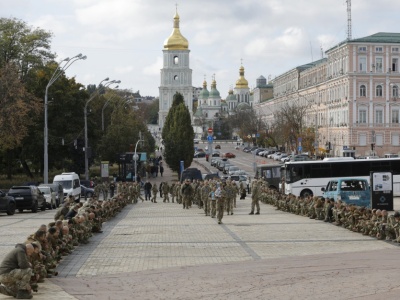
pixel 303 178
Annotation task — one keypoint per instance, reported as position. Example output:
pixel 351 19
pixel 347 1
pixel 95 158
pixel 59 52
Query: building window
pixel 379 139
pixel 379 116
pixel 395 140
pixel 362 116
pixel 176 60
pixel 378 91
pixel 395 116
pixel 395 65
pixel 362 49
pixel 362 64
pixel 395 91
pixel 363 139
pixel 395 49
pixel 379 64
pixel 363 91
pixel 176 77
pixel 379 49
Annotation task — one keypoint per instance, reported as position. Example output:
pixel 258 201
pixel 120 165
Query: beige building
pixel 352 95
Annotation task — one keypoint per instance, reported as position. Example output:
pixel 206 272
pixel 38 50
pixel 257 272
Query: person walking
pixel 161 169
pixel 147 190
pixel 220 194
pixel 187 193
pixel 154 191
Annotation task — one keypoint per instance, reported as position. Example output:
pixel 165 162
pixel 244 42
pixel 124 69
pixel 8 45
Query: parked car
pixel 86 192
pixel 349 190
pixel 88 183
pixel 211 176
pixel 221 164
pixel 58 189
pixel 28 197
pixel 284 157
pixel 226 167
pixel 246 149
pixel 199 154
pixel 50 196
pixel 7 204
pixel 272 155
pixel 217 147
pixel 192 174
pixel 214 154
pixel 70 183
pixel 229 155
pixel 257 151
pixel 231 169
pixel 239 172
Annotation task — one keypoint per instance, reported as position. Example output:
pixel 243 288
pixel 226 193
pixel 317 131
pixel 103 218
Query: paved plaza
pixel 162 251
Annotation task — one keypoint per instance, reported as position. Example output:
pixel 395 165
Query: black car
pixel 192 174
pixel 28 197
pixel 86 192
pixel 7 204
pixel 199 154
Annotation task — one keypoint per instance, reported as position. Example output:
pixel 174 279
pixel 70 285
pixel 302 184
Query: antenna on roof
pixel 348 20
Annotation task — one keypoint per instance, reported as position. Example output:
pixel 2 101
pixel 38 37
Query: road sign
pixel 300 148
pixel 258 135
pixel 210 138
pixel 299 139
pixel 210 130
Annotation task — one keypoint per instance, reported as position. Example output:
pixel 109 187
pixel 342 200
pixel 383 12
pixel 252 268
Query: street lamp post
pixel 57 73
pixel 85 116
pixel 135 157
pixel 104 106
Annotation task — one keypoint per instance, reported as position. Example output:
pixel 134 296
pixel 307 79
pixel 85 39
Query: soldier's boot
pixel 251 213
pixel 24 294
pixel 6 291
pixel 34 287
pixel 257 213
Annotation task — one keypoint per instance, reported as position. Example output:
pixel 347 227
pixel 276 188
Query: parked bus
pixel 304 178
pixel 271 174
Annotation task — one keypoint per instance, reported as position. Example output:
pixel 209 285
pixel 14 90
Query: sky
pixel 123 39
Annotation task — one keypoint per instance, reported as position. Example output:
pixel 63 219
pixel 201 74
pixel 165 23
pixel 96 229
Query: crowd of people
pixel 30 262
pixel 36 258
pixel 371 222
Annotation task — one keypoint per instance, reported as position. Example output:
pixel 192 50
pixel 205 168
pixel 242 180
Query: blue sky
pixel 123 39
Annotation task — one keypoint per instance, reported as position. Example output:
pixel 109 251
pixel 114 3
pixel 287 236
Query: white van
pixel 70 183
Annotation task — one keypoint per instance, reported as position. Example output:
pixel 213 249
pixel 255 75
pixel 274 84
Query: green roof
pixel 377 38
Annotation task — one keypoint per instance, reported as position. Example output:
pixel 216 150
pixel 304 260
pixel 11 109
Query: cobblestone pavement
pixel 161 251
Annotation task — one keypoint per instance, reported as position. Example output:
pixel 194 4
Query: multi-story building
pixel 176 75
pixel 352 96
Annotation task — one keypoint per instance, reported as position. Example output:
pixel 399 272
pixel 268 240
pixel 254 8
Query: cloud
pixel 154 69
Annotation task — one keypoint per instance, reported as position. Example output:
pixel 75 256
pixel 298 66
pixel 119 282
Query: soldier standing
pixel 154 190
pixel 165 190
pixel 213 202
pixel 254 198
pixel 187 192
pixel 220 194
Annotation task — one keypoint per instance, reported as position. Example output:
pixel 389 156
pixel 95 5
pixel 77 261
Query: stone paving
pixel 161 251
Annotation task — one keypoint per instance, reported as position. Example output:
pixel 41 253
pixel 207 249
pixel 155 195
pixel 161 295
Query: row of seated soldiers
pixel 74 223
pixel 372 222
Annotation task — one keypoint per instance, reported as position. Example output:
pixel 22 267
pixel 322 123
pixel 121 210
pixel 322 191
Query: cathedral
pixel 176 76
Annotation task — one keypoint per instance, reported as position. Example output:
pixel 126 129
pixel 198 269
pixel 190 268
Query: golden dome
pixel 242 83
pixel 176 40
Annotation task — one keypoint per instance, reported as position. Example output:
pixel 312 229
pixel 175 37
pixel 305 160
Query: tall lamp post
pixel 99 89
pixel 135 157
pixel 61 68
pixel 104 106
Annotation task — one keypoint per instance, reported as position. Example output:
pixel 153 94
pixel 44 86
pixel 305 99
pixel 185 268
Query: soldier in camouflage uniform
pixel 172 191
pixel 165 190
pixel 221 196
pixel 205 191
pixel 154 191
pixel 187 192
pixel 254 197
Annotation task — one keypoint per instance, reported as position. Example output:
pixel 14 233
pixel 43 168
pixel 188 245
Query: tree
pixel 178 135
pixel 25 47
pixel 17 110
pixel 123 132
